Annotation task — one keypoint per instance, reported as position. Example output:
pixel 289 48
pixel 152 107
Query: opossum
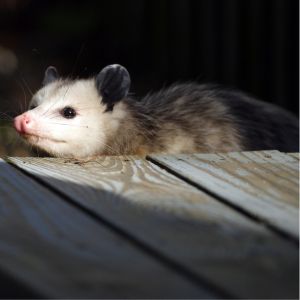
pixel 85 118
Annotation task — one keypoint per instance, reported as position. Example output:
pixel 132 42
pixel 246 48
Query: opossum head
pixel 75 118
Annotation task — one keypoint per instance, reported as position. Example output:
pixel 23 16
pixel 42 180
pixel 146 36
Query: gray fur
pixel 214 118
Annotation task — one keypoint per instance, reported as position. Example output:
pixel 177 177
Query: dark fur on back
pixel 262 125
pixel 215 119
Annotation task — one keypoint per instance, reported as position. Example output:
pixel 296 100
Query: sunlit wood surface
pixel 183 226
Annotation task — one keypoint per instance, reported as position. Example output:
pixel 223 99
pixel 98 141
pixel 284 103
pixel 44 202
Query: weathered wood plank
pixel 62 253
pixel 294 155
pixel 162 211
pixel 263 184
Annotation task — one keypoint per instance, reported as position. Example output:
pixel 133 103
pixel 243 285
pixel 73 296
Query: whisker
pixel 65 124
pixel 61 99
pixel 24 102
pixel 77 58
pixel 5 117
pixel 25 83
pixel 54 114
pixel 74 67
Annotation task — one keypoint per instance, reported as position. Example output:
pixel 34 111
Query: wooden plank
pixel 183 223
pixel 60 252
pixel 281 164
pixel 294 155
pixel 266 187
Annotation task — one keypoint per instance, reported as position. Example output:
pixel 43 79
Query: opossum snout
pixel 23 123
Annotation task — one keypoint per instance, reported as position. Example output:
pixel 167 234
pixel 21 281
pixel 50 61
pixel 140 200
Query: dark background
pixel 248 44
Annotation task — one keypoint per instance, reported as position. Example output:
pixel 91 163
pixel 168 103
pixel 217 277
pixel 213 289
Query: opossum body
pixel 86 118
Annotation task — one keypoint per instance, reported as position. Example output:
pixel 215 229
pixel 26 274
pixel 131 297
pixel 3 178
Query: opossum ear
pixel 113 84
pixel 51 75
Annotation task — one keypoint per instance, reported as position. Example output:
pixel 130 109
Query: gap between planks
pixel 210 173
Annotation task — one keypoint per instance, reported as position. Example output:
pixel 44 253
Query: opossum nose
pixel 22 123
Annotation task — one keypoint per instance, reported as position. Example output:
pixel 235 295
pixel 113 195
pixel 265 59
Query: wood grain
pixel 185 224
pixel 60 252
pixel 263 184
pixel 294 155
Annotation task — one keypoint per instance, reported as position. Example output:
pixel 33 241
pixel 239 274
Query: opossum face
pixel 71 118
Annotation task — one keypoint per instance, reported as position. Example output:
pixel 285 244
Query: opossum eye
pixel 32 106
pixel 68 112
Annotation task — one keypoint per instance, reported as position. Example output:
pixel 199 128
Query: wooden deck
pixel 184 226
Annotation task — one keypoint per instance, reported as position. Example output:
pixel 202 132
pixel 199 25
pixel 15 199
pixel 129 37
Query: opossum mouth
pixel 36 138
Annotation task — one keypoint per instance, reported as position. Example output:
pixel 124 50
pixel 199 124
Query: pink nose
pixel 22 123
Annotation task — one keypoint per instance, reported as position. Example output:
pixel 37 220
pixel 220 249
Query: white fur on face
pixel 86 134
